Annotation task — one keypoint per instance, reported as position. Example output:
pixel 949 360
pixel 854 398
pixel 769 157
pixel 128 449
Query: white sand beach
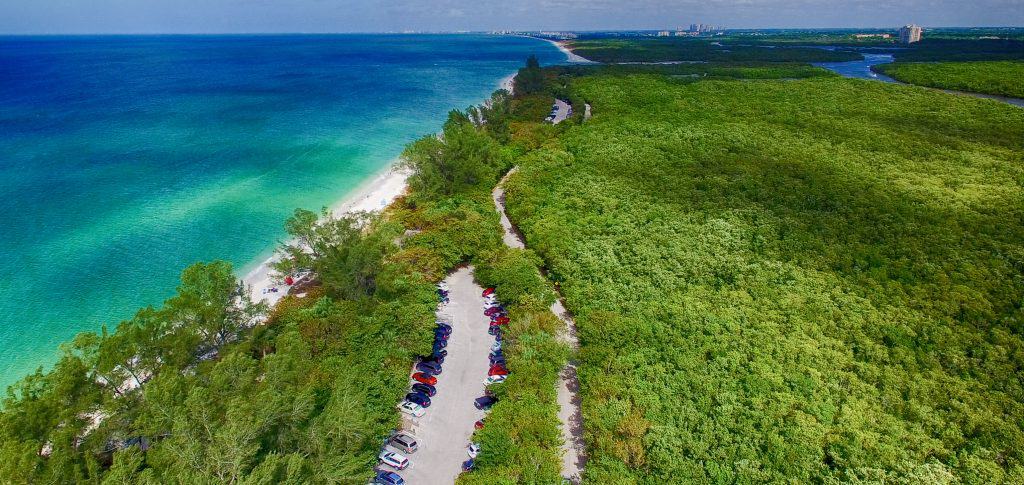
pixel 573 57
pixel 372 195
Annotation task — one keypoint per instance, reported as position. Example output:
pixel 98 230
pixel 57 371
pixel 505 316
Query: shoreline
pixel 371 195
pixel 573 57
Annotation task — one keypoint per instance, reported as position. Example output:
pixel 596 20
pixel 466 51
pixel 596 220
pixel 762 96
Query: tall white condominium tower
pixel 910 34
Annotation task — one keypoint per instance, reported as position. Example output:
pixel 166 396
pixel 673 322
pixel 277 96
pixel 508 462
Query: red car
pixel 479 424
pixel 424 378
pixel 488 291
pixel 497 370
pixel 500 321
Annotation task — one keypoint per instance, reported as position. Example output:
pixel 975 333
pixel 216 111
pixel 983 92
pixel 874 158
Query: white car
pixel 412 409
pixel 393 460
pixel 473 450
pixel 496 346
pixel 494 380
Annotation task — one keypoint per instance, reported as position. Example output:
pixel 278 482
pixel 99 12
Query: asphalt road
pixel 445 430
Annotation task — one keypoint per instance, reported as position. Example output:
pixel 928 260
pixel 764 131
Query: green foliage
pixel 1001 78
pixel 680 49
pixel 530 79
pixel 958 49
pixel 345 252
pixel 802 281
pixel 462 158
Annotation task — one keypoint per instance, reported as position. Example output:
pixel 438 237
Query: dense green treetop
pixel 1001 78
pixel 800 281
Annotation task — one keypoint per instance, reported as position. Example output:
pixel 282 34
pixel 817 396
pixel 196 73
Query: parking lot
pixel 445 430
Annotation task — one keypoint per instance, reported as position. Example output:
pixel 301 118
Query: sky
pixel 267 16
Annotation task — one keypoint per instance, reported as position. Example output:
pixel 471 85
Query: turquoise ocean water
pixel 125 158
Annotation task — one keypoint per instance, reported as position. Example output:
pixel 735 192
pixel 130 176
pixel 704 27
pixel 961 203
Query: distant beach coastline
pixel 572 56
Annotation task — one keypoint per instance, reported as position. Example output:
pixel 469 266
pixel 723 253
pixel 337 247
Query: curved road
pixel 569 410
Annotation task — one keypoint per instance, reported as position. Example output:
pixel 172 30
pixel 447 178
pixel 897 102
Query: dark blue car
pixel 424 389
pixel 389 478
pixel 468 465
pixel 429 367
pixel 484 403
pixel 418 398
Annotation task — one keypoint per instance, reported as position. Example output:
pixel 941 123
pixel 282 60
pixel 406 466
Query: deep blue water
pixel 125 158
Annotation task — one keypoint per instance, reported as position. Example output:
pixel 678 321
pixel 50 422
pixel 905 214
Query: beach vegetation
pixel 464 156
pixel 530 79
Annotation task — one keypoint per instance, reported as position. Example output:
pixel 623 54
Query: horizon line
pixel 491 31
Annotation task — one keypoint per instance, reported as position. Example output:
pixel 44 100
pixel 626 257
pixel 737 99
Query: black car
pixel 419 398
pixel 483 403
pixel 436 359
pixel 424 389
pixel 429 367
pixel 498 361
pixel 438 345
pixel 495 330
pixel 440 353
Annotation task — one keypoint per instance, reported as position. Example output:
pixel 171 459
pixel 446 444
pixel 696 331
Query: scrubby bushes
pixel 809 281
pixel 1004 78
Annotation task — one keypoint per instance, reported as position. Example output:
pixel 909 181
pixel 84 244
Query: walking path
pixel 569 413
pixel 445 430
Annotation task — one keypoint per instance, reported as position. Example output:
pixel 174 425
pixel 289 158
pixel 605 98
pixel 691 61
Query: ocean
pixel 124 159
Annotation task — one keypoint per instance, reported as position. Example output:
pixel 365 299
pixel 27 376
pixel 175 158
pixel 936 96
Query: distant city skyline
pixel 326 16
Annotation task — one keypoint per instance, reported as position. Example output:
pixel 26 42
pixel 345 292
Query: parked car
pixel 405 442
pixel 438 345
pixel 497 370
pixel 473 449
pixel 440 353
pixel 446 331
pixel 429 367
pixel 437 359
pixel 499 360
pixel 494 310
pixel 424 388
pixel 425 378
pixel 418 398
pixel 484 403
pixel 468 465
pixel 488 291
pixel 411 408
pixel 502 320
pixel 393 460
pixel 496 379
pixel 479 424
pixel 496 346
pixel 389 478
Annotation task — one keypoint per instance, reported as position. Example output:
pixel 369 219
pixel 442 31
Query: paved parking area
pixel 445 430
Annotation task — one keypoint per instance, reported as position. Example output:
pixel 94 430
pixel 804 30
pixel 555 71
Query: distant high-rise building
pixel 910 34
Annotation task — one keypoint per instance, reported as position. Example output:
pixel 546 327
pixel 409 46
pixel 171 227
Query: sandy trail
pixel 445 430
pixel 569 405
